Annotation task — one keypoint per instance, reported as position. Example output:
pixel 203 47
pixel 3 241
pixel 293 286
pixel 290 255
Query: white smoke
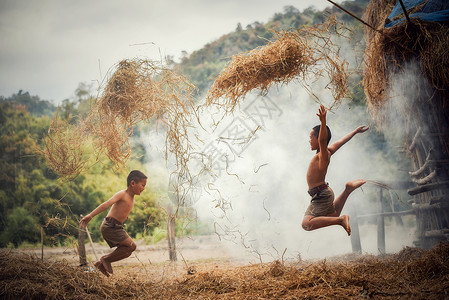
pixel 258 202
pixel 256 192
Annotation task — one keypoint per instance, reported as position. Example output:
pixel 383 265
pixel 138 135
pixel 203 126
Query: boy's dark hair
pixel 135 175
pixel 316 132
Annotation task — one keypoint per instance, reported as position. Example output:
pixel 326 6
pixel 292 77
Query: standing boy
pixel 112 227
pixel 323 209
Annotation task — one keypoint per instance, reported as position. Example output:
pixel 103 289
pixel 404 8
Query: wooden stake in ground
pixel 171 234
pixel 42 242
pixel 81 246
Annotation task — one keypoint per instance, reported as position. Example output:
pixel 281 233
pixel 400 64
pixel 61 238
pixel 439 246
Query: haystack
pixel 396 45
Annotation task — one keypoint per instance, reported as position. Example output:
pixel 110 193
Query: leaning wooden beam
pixel 415 138
pixel 91 243
pixel 423 167
pixel 428 187
pixel 389 214
pixel 425 179
pixel 436 233
pixel 426 206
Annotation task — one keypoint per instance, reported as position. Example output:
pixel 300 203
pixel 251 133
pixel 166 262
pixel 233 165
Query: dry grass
pixel 412 273
pixel 63 148
pixel 302 54
pixel 388 52
pixel 137 91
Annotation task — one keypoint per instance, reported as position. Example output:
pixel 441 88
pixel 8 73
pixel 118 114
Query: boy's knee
pixel 132 247
pixel 306 225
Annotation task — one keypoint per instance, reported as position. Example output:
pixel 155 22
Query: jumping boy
pixel 323 209
pixel 112 227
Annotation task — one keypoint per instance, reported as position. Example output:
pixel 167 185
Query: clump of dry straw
pixel 63 148
pixel 140 90
pixel 302 54
pixel 137 91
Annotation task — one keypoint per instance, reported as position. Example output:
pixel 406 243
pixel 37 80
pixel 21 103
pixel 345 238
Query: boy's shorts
pixel 112 232
pixel 322 203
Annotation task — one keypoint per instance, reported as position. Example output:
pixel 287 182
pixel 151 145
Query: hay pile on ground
pixel 389 51
pixel 138 90
pixel 412 273
pixel 308 52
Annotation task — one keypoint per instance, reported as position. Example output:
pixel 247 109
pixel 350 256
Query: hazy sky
pixel 48 47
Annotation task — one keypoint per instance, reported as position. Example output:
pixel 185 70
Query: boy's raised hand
pixel 322 113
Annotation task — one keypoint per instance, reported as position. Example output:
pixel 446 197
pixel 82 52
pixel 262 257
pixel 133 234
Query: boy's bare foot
pixel 345 224
pixel 352 185
pixel 107 265
pixel 101 268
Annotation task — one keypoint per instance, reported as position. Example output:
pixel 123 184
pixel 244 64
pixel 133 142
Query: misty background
pixel 48 47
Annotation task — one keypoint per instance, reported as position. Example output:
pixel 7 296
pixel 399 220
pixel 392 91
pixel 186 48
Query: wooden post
pixel 81 247
pixel 42 242
pixel 355 235
pixel 380 225
pixel 171 226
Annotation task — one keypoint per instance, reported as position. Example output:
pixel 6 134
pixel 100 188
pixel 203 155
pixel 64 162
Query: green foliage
pixel 32 104
pixel 21 226
pixel 31 195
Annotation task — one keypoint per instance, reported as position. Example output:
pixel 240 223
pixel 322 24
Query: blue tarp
pixel 428 10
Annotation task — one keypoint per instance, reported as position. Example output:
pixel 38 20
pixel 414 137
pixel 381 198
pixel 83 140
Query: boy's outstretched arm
pixel 102 207
pixel 322 140
pixel 335 146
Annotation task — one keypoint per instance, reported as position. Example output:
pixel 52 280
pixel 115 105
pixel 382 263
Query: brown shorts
pixel 113 233
pixel 322 203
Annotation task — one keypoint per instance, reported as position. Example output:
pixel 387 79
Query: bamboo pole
pixel 405 12
pixel 91 244
pixel 354 16
pixel 369 25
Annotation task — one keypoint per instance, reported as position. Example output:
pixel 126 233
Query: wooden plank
pixel 428 187
pixel 389 214
pixel 426 179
